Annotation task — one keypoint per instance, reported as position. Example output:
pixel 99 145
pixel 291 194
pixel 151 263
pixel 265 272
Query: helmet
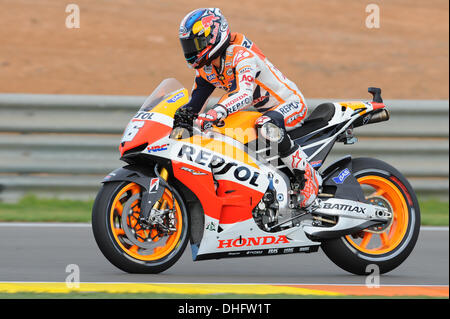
pixel 204 34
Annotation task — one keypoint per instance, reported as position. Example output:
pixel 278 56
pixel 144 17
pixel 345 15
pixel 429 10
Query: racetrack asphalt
pixel 42 252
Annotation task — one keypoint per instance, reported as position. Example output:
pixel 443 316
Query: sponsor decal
pixel 261 120
pixel 229 71
pixel 241 55
pixel 272 251
pixel 295 118
pixel 218 164
pixel 157 148
pixel 286 108
pixel 348 208
pixel 238 102
pixel 342 176
pixel 261 100
pixel 255 252
pixel 234 253
pixel 236 99
pixel 253 241
pixel 176 97
pixel 154 185
pixel 239 105
pixel 192 171
pixel 210 77
pixel 211 226
pixel 141 115
pixel 247 78
pixel 297 160
pixel 245 69
pixel 316 163
pixel 110 175
pixel 288 250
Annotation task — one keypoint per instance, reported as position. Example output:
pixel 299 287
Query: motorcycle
pixel 226 193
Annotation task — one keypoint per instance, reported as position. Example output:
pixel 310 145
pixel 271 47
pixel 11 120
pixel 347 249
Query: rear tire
pixel 115 239
pixel 386 248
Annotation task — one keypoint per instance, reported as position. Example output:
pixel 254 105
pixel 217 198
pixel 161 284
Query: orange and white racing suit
pixel 250 79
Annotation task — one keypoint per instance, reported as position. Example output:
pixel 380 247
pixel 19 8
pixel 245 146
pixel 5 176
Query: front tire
pixel 125 242
pixel 386 247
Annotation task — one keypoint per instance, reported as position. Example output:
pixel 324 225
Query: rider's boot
pixel 308 178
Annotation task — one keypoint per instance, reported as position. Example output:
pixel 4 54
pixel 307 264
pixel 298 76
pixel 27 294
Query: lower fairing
pixel 246 239
pixel 258 252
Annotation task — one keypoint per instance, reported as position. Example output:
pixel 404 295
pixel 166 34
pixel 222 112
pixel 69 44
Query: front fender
pixel 131 173
pixel 154 186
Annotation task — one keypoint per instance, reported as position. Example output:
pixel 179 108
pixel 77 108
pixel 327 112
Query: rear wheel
pixel 388 245
pixel 126 242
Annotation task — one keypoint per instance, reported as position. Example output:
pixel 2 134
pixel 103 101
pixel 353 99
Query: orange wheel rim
pixel 389 239
pixel 163 245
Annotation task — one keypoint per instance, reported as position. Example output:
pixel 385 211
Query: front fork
pixel 164 175
pixel 152 199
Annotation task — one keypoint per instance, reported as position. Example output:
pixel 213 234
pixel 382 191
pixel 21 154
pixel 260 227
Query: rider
pixel 232 62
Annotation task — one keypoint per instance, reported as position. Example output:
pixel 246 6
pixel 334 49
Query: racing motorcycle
pixel 223 191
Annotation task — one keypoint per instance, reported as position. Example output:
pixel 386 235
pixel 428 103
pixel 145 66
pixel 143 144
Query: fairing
pixel 154 120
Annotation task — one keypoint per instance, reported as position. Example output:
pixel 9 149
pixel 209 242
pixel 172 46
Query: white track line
pixel 434 228
pixel 84 225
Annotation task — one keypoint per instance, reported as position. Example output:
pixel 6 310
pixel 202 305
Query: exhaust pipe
pixel 380 116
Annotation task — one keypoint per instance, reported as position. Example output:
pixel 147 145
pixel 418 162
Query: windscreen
pixel 163 91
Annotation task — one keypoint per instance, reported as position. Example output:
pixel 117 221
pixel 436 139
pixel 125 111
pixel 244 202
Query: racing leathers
pixel 250 79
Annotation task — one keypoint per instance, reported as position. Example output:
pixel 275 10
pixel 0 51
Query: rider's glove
pixel 215 115
pixel 184 116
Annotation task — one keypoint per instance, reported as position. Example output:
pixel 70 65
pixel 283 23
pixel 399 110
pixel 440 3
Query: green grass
pixel 129 296
pixel 33 209
pixel 435 212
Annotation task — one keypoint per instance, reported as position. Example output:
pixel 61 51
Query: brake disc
pixel 130 232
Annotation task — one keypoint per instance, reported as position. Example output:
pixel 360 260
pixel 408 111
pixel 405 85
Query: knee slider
pixel 269 129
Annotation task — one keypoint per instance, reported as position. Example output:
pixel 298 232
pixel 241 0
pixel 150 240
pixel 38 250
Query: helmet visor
pixel 192 47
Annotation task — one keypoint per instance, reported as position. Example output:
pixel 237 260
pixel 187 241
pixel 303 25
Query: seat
pixel 318 118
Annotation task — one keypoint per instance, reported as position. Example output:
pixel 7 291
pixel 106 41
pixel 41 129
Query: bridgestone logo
pixel 253 241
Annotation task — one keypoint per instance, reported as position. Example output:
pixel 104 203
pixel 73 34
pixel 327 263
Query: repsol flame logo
pixel 218 164
pixel 253 241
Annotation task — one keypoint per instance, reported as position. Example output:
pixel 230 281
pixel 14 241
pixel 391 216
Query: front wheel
pixel 385 246
pixel 131 246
